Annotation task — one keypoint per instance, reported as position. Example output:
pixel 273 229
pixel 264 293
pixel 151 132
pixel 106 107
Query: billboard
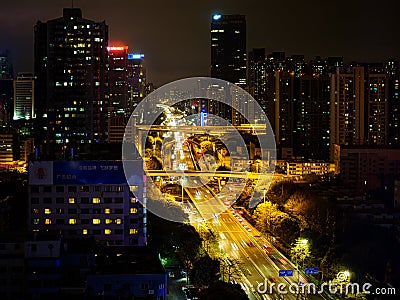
pixel 78 172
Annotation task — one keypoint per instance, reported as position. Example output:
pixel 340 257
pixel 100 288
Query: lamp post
pixel 300 251
pixel 269 216
pixel 182 187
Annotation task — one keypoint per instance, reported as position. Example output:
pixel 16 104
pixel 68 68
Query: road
pixel 258 261
pixel 244 244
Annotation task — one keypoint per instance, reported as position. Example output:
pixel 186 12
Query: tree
pixel 263 215
pixel 300 251
pixel 285 226
pixel 205 271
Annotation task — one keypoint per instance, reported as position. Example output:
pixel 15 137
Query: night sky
pixel 174 35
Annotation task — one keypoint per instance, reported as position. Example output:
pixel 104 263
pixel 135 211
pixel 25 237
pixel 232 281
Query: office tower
pixel 70 61
pixel 24 96
pixel 228 48
pixel 87 199
pixel 136 79
pixel 117 79
pixel 118 111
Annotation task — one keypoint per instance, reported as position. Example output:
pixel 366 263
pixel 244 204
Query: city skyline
pixel 357 33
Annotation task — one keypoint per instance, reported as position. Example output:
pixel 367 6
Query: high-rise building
pixel 6 88
pixel 24 95
pixel 296 64
pixel 359 106
pixel 257 75
pixel 6 69
pixel 127 87
pixel 332 63
pixel 377 89
pixel 348 107
pixel 228 48
pixel 312 117
pixel 71 98
pixel 136 79
pixel 283 117
pixel 6 100
pixel 392 70
pixel 117 79
pixel 87 199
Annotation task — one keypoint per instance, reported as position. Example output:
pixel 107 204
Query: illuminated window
pixel 133 200
pixel 108 221
pixel 72 221
pixel 133 231
pixel 107 210
pixel 95 200
pixel 107 231
pixel 35 210
pixel 118 221
pixel 96 221
pixel 84 231
pixel 47 211
pixel 36 221
pixel 47 221
pixel 71 200
pixel 133 210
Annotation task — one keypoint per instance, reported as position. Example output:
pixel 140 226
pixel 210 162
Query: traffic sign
pixel 283 273
pixel 311 271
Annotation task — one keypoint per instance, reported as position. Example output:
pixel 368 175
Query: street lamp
pixel 182 187
pixel 300 251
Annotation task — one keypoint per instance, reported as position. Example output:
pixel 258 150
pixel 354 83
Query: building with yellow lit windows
pixel 87 198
